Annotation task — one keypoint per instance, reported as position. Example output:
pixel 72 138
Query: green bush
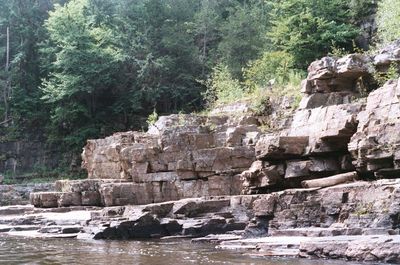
pixel 152 119
pixel 270 77
pixel 222 88
pixel 290 89
pixel 272 67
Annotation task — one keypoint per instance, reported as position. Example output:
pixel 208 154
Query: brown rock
pixel 298 168
pixel 265 205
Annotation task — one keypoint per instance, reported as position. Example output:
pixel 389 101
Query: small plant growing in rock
pixel 181 119
pixel 211 126
pixel 364 209
pixel 392 73
pixel 152 119
pixel 337 51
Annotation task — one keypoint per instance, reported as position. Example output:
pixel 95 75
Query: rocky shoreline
pixel 322 182
pixel 20 193
pixel 356 221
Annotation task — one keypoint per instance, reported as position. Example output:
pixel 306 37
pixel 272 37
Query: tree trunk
pixel 330 181
pixel 6 92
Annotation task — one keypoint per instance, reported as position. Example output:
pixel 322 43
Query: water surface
pixel 18 250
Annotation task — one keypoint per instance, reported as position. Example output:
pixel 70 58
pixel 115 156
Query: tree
pixel 79 86
pixel 244 34
pixel 24 18
pixel 307 29
pixel 388 21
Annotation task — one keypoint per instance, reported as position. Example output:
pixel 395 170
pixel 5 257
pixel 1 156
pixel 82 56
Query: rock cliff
pixel 181 156
pixel 335 130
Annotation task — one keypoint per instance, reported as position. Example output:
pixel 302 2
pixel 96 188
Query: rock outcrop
pixel 332 132
pixel 181 156
pixel 22 158
pixel 314 145
pixel 376 144
pixel 19 194
pixel 355 221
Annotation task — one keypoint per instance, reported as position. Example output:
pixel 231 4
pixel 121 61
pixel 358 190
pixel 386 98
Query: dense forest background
pixel 84 69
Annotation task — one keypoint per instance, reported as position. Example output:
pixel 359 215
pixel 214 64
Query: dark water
pixel 71 251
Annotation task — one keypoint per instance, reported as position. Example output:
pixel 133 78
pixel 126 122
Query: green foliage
pixel 337 51
pixel 388 21
pixel 82 74
pixel 289 88
pixel 25 20
pixel 222 87
pixel 360 9
pixel 305 29
pixel 244 35
pixel 270 77
pixel 271 68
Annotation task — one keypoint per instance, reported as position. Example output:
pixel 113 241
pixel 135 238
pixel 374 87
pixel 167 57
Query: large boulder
pixel 329 74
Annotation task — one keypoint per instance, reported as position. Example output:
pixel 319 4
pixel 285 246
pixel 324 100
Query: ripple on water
pixel 30 251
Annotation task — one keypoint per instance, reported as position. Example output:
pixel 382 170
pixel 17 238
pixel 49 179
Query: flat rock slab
pixel 382 248
pixel 216 238
pixel 8 228
pixel 36 234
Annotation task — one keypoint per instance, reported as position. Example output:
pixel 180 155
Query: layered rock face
pixel 332 132
pixel 19 194
pixel 21 158
pixel 181 156
pixel 356 221
pixel 376 145
pixel 314 145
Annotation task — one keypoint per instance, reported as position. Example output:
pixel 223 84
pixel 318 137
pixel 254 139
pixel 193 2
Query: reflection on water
pixel 71 251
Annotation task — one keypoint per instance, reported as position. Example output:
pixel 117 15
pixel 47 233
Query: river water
pixel 71 251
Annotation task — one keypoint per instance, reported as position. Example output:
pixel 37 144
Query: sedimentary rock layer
pixel 376 144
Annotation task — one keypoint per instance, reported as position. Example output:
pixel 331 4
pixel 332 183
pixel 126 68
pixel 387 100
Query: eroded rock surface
pixel 348 221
